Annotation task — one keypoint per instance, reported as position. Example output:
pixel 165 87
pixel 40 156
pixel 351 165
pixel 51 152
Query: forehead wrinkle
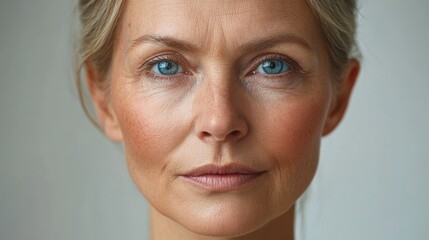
pixel 214 34
pixel 232 43
pixel 218 44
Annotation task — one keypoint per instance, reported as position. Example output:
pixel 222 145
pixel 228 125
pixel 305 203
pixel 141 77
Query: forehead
pixel 218 25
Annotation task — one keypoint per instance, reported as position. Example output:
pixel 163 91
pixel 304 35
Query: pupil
pixel 272 67
pixel 269 64
pixel 167 68
pixel 165 65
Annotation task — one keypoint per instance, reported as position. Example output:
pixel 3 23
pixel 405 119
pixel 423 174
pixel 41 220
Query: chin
pixel 231 217
pixel 228 225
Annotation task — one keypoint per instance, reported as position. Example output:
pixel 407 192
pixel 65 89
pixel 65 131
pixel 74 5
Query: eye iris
pixel 274 67
pixel 168 68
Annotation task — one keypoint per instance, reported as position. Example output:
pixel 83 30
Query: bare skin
pixel 281 228
pixel 246 84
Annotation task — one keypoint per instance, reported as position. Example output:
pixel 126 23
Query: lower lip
pixel 223 183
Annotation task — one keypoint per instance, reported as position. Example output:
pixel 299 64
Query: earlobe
pixel 341 96
pixel 102 104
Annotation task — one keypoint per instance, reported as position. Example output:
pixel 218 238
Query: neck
pixel 163 228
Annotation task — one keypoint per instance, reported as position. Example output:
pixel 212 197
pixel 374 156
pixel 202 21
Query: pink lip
pixel 222 178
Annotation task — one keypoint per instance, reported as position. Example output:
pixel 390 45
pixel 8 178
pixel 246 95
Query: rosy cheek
pixel 151 130
pixel 143 131
pixel 296 128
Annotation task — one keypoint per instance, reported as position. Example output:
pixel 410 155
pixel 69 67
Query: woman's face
pixel 221 106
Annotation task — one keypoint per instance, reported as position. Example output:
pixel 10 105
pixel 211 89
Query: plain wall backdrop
pixel 61 179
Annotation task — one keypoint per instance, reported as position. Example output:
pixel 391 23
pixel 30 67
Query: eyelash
pixel 294 66
pixel 145 69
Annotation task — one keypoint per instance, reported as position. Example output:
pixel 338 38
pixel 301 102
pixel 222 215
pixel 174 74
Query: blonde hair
pixel 338 22
pixel 99 20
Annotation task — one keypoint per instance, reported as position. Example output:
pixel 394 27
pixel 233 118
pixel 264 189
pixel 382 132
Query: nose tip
pixel 223 127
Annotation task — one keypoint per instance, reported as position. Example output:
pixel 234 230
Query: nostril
pixel 231 135
pixel 235 133
pixel 221 127
pixel 205 134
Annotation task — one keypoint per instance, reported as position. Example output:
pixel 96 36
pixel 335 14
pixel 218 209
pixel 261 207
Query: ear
pixel 103 106
pixel 341 96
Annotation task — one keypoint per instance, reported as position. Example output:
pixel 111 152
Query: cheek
pixel 292 142
pixel 296 126
pixel 148 140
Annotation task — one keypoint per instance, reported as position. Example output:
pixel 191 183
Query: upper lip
pixel 213 169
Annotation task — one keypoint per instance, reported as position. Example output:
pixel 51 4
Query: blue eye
pixel 167 68
pixel 273 67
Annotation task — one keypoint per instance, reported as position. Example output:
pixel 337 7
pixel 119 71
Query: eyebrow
pixel 165 41
pixel 252 46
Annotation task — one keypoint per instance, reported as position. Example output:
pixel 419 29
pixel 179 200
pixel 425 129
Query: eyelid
pixel 173 57
pixel 273 56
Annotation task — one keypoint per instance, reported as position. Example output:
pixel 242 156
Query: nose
pixel 220 115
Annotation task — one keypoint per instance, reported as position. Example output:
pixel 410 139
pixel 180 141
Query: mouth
pixel 225 178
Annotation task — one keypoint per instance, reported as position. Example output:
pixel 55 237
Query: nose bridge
pixel 221 107
pixel 219 117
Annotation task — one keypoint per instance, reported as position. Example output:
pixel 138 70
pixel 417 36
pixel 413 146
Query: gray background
pixel 61 179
